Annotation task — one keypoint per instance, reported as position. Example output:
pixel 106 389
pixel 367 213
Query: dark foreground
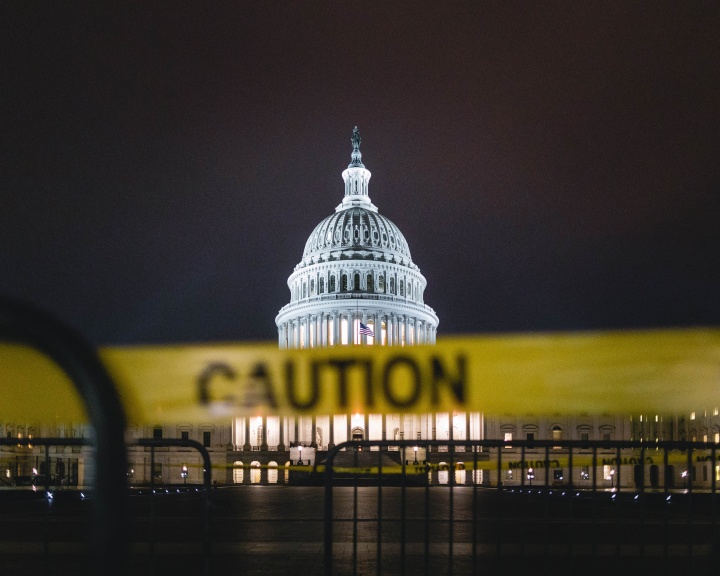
pixel 280 530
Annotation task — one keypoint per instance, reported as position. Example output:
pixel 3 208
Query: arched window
pixel 356 281
pixel 312 287
pixel 304 290
pixel 381 282
pixel 370 284
pixel 392 285
pixel 402 288
pixel 556 435
pixel 332 283
pixel 238 472
pixel 322 285
pixel 344 283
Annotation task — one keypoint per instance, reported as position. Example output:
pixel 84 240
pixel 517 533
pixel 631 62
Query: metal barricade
pixel 525 506
pixel 156 490
pixel 23 324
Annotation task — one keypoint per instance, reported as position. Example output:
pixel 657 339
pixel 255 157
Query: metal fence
pixel 396 507
pixel 547 506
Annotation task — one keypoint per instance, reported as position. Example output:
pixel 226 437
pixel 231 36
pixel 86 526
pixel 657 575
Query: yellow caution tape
pixel 654 371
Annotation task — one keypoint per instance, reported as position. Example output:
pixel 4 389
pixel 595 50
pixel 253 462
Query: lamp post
pixel 530 475
pixel 415 449
pixel 184 473
pixel 685 476
pixel 612 478
pixel 300 457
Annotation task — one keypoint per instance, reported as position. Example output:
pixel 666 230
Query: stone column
pixel 351 332
pixel 296 329
pixel 246 446
pixel 264 444
pixel 363 338
pixel 323 329
pixel 307 331
pixel 377 329
pixel 336 328
pixel 281 445
pixel 407 330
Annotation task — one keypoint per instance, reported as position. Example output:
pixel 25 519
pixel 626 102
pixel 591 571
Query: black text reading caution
pixel 399 382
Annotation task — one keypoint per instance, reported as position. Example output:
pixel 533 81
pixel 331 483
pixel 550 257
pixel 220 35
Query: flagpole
pixel 357 314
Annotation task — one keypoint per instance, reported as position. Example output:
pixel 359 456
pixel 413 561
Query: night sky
pixel 553 166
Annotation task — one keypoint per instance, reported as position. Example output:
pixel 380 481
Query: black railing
pixel 520 505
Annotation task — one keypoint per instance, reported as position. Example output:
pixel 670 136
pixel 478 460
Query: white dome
pixel 355 271
pixel 356 228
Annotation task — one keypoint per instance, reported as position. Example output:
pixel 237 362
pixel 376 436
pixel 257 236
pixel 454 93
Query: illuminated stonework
pixel 356 267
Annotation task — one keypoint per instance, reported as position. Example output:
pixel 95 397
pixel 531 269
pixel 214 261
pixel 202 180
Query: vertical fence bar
pixel 713 495
pixel 498 513
pixel 355 512
pixel 666 505
pixel 379 512
pixel 328 514
pixel 403 518
pixel 688 480
pixel 594 501
pixel 427 514
pixel 523 472
pixel 475 477
pixel 641 497
pixel 152 509
pixel 451 512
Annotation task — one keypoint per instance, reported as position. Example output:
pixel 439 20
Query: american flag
pixel 365 330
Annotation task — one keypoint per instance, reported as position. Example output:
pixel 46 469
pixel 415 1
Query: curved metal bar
pixel 23 324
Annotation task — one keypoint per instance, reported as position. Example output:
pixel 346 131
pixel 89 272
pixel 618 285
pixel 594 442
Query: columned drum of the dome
pixel 356 282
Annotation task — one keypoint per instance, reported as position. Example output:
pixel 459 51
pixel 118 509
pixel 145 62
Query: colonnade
pixel 275 433
pixel 338 327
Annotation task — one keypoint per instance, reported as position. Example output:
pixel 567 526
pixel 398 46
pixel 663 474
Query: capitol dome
pixel 356 282
pixel 353 229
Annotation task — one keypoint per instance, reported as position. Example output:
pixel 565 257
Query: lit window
pixel 557 433
pixel 715 412
pixel 608 472
pixel 717 438
pixel 692 415
pixel 508 436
